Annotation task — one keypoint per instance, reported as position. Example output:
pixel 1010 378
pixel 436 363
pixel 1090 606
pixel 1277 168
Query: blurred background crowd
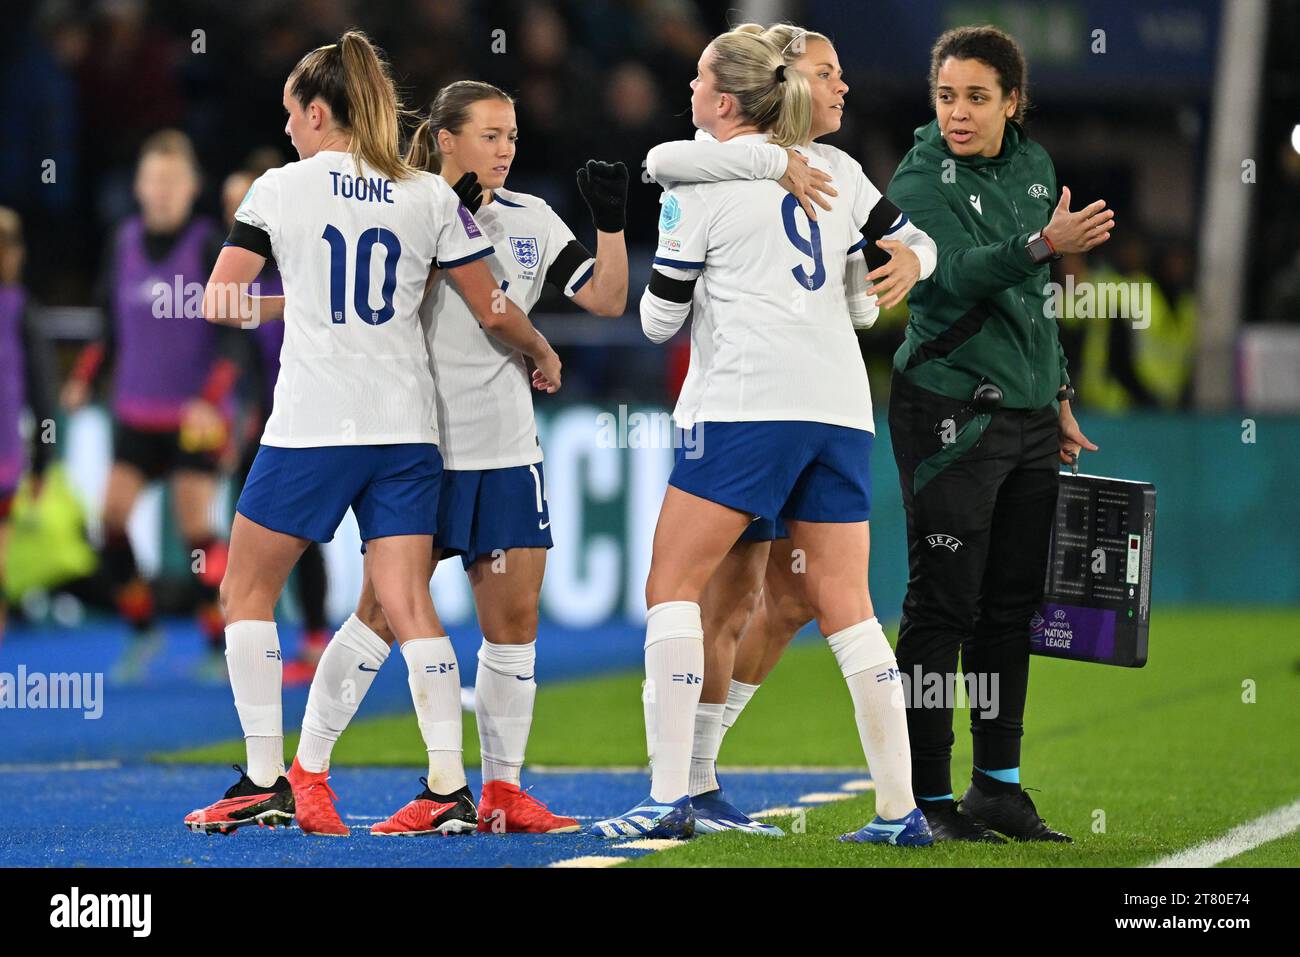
pixel 84 82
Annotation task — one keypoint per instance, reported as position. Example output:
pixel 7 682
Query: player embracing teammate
pixel 757 592
pixel 354 419
pixel 492 506
pixel 783 426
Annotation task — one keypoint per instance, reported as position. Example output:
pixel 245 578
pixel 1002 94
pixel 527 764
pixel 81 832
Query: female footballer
pixel 354 419
pixel 757 591
pixel 170 383
pixel 786 429
pixel 25 376
pixel 492 507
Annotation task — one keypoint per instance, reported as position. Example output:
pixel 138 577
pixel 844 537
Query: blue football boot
pixel 714 814
pixel 910 831
pixel 650 819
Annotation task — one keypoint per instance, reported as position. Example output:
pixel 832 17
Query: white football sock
pixel 504 692
pixel 343 676
pixel 256 671
pixel 704 753
pixel 435 691
pixel 674 670
pixel 871 672
pixel 738 695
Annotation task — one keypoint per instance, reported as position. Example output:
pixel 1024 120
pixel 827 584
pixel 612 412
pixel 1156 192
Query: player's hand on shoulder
pixel 806 183
pixel 604 187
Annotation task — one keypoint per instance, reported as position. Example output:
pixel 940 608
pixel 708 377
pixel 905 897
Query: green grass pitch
pixel 1135 764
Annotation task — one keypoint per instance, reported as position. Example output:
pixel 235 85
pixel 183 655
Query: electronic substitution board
pixel 1097 602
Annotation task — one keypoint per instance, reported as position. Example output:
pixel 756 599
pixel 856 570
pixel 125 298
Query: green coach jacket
pixel 982 315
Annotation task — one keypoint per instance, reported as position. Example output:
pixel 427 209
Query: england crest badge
pixel 525 250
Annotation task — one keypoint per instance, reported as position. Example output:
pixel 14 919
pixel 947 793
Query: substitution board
pixel 1097 603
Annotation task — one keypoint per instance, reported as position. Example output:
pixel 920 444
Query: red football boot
pixel 245 803
pixel 432 814
pixel 506 809
pixel 314 801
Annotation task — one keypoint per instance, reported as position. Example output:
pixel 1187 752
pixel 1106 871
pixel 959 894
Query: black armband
pixel 882 216
pixel 249 237
pixel 670 289
pixel 573 255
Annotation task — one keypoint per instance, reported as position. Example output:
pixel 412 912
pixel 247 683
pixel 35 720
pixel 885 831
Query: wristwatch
pixel 1040 249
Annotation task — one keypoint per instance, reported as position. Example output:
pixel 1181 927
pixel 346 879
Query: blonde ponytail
pixel 773 97
pixel 352 79
pixel 373 104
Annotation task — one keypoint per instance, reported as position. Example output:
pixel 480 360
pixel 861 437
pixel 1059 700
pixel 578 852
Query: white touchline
pixel 589 861
pixel 823 797
pixel 648 844
pixel 60 766
pixel 1239 840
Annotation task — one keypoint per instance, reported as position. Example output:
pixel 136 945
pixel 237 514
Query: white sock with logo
pixel 704 753
pixel 674 669
pixel 256 672
pixel 871 672
pixel 343 676
pixel 504 692
pixel 435 691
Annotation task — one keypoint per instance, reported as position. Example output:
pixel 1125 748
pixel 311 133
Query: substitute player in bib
pixel 354 231
pixel 756 591
pixel 492 508
pixel 171 381
pixel 784 428
pixel 25 376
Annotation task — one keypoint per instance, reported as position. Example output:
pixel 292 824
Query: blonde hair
pixel 450 112
pixel 170 143
pixel 792 41
pixel 745 65
pixel 352 79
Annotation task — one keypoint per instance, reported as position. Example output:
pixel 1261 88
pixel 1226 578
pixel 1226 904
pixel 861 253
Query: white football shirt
pixel 484 393
pixel 783 347
pixel 354 252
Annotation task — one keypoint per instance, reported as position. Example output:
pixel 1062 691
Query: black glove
pixel 604 187
pixel 469 192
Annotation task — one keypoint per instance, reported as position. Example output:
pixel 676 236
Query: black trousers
pixel 980 495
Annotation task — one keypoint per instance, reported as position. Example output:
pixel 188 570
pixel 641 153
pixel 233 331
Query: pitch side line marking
pixel 824 797
pixel 648 844
pixel 1242 838
pixel 60 766
pixel 590 860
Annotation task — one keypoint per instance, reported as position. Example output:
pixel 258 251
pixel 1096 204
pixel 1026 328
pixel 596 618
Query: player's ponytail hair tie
pixel 780 73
